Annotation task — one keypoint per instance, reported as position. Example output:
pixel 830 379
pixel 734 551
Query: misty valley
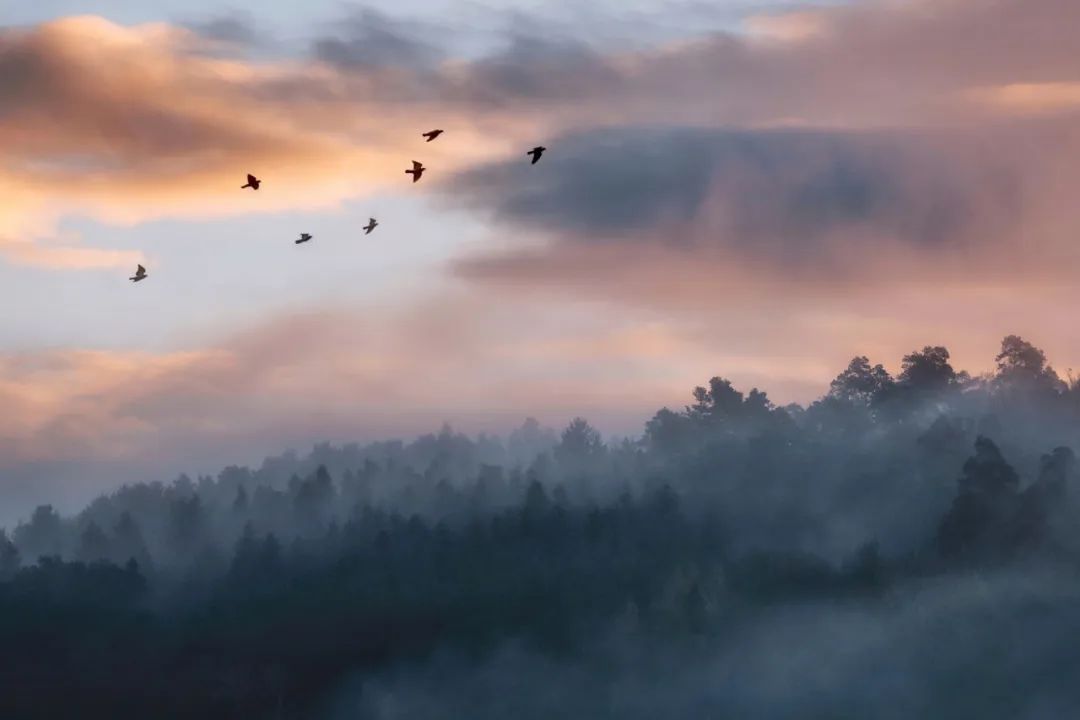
pixel 904 547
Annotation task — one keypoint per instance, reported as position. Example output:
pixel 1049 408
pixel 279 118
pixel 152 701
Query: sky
pixel 758 190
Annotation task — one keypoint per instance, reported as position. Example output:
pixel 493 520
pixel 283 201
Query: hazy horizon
pixel 754 190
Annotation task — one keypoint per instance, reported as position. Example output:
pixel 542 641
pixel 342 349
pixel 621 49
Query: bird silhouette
pixel 253 182
pixel 417 170
pixel 536 152
pixel 140 274
pixel 304 237
pixel 372 224
pixel 432 134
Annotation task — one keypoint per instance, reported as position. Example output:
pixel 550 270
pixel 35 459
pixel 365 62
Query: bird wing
pixel 140 270
pixel 251 178
pixel 417 166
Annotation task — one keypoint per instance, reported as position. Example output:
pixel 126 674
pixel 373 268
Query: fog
pixel 902 547
pixel 968 646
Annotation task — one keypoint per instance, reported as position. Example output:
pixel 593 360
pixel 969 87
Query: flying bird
pixel 432 134
pixel 417 170
pixel 140 274
pixel 536 152
pixel 372 224
pixel 304 237
pixel 253 182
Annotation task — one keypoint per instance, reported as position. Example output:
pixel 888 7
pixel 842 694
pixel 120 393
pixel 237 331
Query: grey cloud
pixel 782 194
pixel 532 62
pixel 874 64
pixel 535 67
pixel 236 28
pixel 368 39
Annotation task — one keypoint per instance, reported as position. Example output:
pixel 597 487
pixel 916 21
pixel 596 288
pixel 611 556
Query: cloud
pixel 898 146
pixel 367 39
pixel 862 64
pixel 234 28
pixel 1032 98
pixel 478 359
pixel 533 69
pixel 68 257
pixel 351 373
pixel 786 26
pixel 799 248
pixel 788 204
pixel 125 124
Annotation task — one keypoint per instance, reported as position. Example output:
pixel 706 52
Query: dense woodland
pixel 905 546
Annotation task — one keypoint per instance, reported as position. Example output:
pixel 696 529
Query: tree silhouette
pixel 860 382
pixel 980 522
pixel 927 371
pixel 579 445
pixel 128 542
pixel 1022 368
pixel 9 556
pixel 717 403
pixel 670 433
pixel 93 544
pixel 240 502
pixel 1041 505
pixel 42 535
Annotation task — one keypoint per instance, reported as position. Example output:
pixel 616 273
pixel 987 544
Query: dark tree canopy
pixel 9 556
pixel 717 403
pixel 987 473
pixel 580 443
pixel 727 526
pixel 1023 367
pixel 927 370
pixel 860 382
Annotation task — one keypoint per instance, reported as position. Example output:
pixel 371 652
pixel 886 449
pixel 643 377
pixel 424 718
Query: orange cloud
pixel 786 27
pixel 126 124
pixel 68 257
pixel 1031 98
pixel 343 373
pixel 484 361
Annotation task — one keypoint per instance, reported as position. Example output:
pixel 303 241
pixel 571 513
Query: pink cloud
pixel 770 269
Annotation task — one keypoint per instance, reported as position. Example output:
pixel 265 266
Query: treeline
pixel 256 592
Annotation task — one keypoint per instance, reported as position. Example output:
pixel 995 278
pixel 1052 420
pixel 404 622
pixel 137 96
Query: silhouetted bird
pixel 140 274
pixel 432 134
pixel 536 152
pixel 417 170
pixel 372 224
pixel 253 182
pixel 304 237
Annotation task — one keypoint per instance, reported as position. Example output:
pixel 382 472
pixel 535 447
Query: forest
pixel 905 546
